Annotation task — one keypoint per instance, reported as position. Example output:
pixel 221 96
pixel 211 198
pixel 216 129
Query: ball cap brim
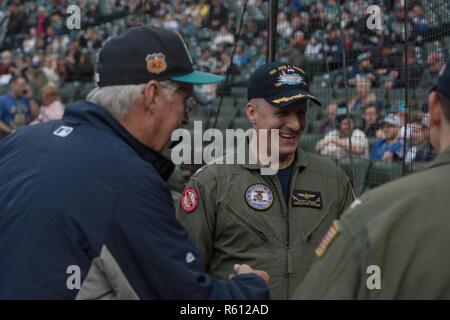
pixel 199 77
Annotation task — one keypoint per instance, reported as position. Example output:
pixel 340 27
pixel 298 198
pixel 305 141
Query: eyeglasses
pixel 189 101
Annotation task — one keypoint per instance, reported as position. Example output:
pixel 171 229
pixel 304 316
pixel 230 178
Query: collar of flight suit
pixel 442 159
pixel 300 160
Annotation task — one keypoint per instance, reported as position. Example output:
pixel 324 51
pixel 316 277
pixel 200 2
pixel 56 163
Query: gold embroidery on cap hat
pixel 287 99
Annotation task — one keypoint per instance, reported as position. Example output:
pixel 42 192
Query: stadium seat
pixel 380 172
pixel 361 166
pixel 308 142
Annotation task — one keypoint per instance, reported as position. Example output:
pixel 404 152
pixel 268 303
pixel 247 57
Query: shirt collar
pixel 101 118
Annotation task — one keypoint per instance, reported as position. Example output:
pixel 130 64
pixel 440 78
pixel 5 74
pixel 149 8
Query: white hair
pixel 119 100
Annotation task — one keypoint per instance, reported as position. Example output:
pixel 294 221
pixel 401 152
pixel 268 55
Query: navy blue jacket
pixel 85 213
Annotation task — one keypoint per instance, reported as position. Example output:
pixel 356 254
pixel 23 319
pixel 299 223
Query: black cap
pixel 443 83
pixel 280 85
pixel 147 53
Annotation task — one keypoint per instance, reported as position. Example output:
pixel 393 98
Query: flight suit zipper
pixel 280 195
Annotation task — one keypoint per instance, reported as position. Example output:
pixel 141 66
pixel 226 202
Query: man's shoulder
pixel 215 170
pixel 399 199
pixel 322 164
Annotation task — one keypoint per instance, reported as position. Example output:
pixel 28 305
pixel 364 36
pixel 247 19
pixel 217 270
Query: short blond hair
pixel 50 93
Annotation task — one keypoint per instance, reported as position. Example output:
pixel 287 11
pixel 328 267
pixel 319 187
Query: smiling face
pixel 290 121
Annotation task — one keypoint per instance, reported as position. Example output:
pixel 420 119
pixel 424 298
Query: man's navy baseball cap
pixel 147 53
pixel 443 82
pixel 280 85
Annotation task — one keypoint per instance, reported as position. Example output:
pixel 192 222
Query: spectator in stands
pixel 42 21
pixel 336 143
pixel 52 108
pixel 388 58
pixel 364 95
pixel 7 64
pixel 92 39
pixel 371 125
pixel 171 23
pixel 241 57
pixel 419 148
pixel 333 47
pixel 297 48
pixel 36 75
pixel 398 76
pixel 418 19
pixel 17 107
pixel 207 62
pixel 434 65
pixel 364 69
pixel 197 8
pixel 223 38
pixel 399 109
pixel 84 68
pixel 16 25
pixel 186 27
pixel 313 50
pixel 50 69
pixel 331 10
pixel 250 31
pixel 30 42
pixel 284 28
pixel 330 123
pixel 224 64
pixel 391 147
pixel 218 15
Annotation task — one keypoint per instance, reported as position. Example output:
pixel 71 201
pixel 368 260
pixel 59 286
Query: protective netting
pixel 372 64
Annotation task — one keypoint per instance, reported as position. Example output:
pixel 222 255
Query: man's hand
pixel 245 268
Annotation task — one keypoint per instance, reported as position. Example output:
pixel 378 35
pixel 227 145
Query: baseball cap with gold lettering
pixel 280 85
pixel 147 53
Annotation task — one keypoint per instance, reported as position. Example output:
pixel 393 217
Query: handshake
pixel 245 268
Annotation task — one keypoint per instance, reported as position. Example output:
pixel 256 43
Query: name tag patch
pixel 307 199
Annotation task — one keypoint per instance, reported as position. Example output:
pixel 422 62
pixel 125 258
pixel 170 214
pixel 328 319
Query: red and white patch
pixel 189 199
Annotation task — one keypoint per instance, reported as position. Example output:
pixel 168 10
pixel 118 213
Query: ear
pixel 150 93
pixel 435 109
pixel 250 110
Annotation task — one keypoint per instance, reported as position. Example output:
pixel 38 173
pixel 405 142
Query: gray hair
pixel 119 100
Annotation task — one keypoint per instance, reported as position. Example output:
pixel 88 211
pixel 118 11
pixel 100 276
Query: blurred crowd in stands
pixel 316 35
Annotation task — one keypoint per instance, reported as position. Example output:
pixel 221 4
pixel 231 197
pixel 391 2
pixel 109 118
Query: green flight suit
pixel 229 227
pixel 403 228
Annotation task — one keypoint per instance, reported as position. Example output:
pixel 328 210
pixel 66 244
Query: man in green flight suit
pixel 393 242
pixel 237 215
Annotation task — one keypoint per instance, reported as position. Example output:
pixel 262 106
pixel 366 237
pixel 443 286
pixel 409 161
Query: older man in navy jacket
pixel 84 209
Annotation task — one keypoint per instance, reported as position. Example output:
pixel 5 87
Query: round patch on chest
pixel 259 197
pixel 189 199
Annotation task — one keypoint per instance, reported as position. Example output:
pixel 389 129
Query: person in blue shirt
pixel 391 147
pixel 85 212
pixel 17 107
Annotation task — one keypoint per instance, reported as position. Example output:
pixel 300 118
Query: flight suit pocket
pixel 253 227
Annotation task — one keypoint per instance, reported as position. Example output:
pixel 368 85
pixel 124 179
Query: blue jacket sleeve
pixel 156 254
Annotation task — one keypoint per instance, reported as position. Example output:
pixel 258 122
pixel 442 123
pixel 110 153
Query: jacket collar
pixel 99 117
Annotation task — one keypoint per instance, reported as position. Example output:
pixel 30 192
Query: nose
pixel 295 121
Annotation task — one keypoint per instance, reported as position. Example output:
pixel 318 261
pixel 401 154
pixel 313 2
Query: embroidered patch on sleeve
pixel 189 199
pixel 329 237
